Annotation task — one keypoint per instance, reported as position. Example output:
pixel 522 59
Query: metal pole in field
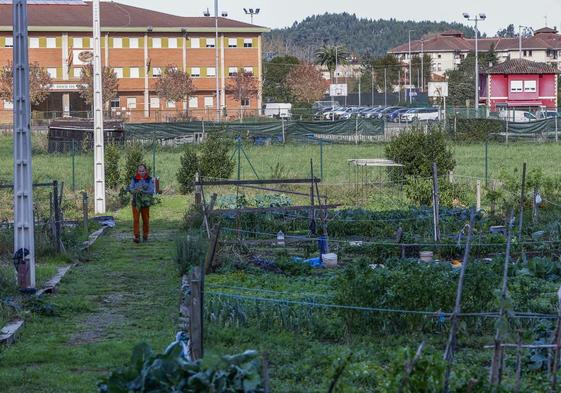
pixel 216 59
pixel 321 159
pixel 410 68
pixel 385 87
pixel 73 167
pixel 24 225
pixel 435 203
pixel 99 161
pixel 486 163
pixel 522 199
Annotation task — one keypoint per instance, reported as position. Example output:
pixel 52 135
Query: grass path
pixel 126 293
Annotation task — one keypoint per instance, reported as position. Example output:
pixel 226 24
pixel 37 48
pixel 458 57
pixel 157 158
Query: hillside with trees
pixel 359 35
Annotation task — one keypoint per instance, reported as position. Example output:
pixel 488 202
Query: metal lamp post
pixel 251 12
pixel 476 19
pixel 520 27
pixel 216 55
pixel 410 76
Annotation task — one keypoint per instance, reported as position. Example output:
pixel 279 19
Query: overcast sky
pixel 281 13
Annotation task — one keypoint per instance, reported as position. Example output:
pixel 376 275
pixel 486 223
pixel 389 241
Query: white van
pixel 278 110
pixel 517 116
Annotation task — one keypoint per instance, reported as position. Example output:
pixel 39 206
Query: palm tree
pixel 330 56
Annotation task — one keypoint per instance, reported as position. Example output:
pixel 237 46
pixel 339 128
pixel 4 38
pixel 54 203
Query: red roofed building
pixel 137 43
pixel 519 83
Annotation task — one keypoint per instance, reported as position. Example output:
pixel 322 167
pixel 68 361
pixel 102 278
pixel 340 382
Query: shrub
pixel 112 157
pixel 134 156
pixel 419 191
pixel 416 151
pixel 475 130
pixel 188 167
pixel 215 160
pixel 190 251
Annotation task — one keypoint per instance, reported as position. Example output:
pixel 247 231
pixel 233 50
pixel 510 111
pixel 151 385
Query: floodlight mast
pixel 99 160
pixel 24 242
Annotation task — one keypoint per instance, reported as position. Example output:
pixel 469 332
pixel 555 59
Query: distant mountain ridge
pixel 359 35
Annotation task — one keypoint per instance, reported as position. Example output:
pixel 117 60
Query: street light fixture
pixel 520 40
pixel 224 14
pixel 476 19
pixel 252 12
pixel 410 68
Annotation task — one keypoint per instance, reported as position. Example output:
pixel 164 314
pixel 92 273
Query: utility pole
pixel 386 87
pixel 99 159
pixel 216 55
pixel 24 225
pixel 422 65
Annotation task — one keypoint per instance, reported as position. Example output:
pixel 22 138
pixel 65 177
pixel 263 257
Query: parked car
pixel 381 114
pixel 278 110
pixel 517 116
pixel 372 113
pixel 394 116
pixel 421 114
pixel 546 114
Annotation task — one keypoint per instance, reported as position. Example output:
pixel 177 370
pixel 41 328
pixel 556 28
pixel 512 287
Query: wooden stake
pixel 196 334
pixel 494 377
pixel 57 218
pixel 478 195
pixel 435 203
pixel 522 199
pixel 211 252
pixel 451 344
pixel 85 212
pixel 535 206
pixel 557 346
pixel 518 364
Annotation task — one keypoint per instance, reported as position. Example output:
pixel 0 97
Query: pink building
pixel 519 83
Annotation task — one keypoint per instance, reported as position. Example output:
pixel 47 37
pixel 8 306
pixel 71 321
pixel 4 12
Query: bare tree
pixel 243 87
pixel 39 83
pixel 306 83
pixel 109 82
pixel 174 85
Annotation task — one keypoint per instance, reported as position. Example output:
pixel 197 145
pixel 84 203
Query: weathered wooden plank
pixel 50 285
pixel 255 182
pixel 9 332
pixel 93 237
pixel 267 209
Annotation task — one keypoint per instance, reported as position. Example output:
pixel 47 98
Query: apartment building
pixel 449 48
pixel 137 44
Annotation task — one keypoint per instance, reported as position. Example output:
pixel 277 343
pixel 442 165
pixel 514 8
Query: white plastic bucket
pixel 329 260
pixel 426 256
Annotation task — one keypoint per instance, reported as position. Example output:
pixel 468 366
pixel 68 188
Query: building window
pixel 52 72
pixel 195 72
pixel 77 43
pixel 156 71
pixel 77 72
pixel 134 72
pixel 133 43
pixel 172 43
pixel 155 102
pixel 211 71
pixel 245 101
pixel 439 66
pixel 515 86
pixel 156 42
pixel 232 42
pixel 209 102
pixel 131 102
pixel 119 72
pixel 115 103
pixel 170 104
pixel 248 43
pixel 248 70
pixel 117 42
pixel 193 102
pixel 530 86
pixel 195 42
pixel 34 42
pixel 210 43
pixel 439 56
pixel 232 71
pixel 9 42
pixel 51 42
pixel 8 105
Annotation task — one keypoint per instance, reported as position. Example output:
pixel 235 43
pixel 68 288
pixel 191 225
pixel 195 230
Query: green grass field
pixel 295 160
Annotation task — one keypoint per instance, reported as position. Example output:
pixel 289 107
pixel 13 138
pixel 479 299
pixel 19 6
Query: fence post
pixel 556 132
pixel 522 198
pixel 478 195
pixel 73 167
pixel 56 210
pixel 486 162
pixel 435 203
pixel 283 131
pixel 321 159
pixel 196 334
pixel 356 130
pixel 506 127
pixel 198 194
pixel 85 212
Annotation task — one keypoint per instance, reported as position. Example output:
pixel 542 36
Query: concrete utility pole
pixel 217 56
pixel 476 19
pixel 410 68
pixel 24 225
pixel 99 159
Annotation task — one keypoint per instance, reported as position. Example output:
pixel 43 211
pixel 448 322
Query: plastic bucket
pixel 426 256
pixel 329 260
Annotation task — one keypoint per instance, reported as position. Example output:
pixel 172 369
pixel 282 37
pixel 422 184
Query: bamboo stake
pixel 435 203
pixel 494 377
pixel 409 366
pixel 518 364
pixel 450 346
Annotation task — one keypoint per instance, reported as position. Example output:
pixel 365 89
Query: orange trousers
pixel 145 213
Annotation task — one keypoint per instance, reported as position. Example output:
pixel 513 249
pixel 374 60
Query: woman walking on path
pixel 142 190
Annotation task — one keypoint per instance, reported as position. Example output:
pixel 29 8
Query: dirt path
pixel 127 293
